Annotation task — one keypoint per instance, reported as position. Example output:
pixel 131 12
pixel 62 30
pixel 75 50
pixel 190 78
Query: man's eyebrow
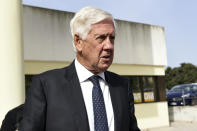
pixel 113 34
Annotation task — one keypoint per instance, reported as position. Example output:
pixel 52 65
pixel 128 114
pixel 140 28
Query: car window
pixel 194 87
pixel 176 88
pixel 187 88
pixel 181 88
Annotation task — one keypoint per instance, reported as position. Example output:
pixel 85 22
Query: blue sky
pixel 178 17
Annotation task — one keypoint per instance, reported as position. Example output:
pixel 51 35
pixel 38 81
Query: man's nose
pixel 109 44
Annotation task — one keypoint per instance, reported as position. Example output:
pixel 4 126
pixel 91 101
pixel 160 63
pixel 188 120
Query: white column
pixel 12 91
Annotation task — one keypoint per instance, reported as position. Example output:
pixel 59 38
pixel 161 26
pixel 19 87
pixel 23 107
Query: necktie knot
pixel 95 80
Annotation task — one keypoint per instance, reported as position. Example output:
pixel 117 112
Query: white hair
pixel 84 18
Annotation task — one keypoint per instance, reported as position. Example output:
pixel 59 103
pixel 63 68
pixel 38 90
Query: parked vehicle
pixel 185 94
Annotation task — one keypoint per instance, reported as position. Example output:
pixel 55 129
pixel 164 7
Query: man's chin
pixel 104 67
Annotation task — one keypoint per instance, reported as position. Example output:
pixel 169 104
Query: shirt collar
pixel 83 74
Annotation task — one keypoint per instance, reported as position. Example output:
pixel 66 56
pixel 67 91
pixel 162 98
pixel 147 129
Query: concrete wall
pixel 46 35
pixel 139 44
pixel 47 38
pixel 150 115
pixel 36 67
pixel 183 113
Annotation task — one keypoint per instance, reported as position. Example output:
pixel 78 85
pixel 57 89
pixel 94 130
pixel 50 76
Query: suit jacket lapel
pixel 116 100
pixel 78 101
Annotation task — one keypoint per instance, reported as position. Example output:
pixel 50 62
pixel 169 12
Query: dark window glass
pixel 147 88
pixel 135 84
pixel 28 82
pixel 194 87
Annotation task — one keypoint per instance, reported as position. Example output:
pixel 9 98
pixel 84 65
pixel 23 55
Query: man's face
pixel 96 52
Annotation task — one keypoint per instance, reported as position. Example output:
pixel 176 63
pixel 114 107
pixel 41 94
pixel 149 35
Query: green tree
pixel 186 73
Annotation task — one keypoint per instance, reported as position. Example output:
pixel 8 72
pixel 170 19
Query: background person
pixel 12 119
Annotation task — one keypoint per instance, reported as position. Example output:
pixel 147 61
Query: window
pixel 194 87
pixel 28 82
pixel 147 88
pixel 187 88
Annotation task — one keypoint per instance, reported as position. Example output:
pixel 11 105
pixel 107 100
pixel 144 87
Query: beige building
pixel 140 55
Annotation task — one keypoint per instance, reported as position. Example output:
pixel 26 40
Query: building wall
pixel 36 67
pixel 183 113
pixel 47 33
pixel 140 44
pixel 150 115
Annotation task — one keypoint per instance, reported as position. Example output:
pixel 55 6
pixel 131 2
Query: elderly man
pixel 83 96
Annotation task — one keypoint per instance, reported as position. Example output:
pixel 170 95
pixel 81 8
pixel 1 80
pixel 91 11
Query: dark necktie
pixel 100 117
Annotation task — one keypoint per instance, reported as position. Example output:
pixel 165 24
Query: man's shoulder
pixel 55 73
pixel 115 76
pixel 52 73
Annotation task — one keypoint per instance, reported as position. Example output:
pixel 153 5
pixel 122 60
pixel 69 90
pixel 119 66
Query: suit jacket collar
pixel 115 98
pixel 78 101
pixel 83 74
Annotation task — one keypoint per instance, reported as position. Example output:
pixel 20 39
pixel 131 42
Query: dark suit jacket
pixel 55 103
pixel 12 119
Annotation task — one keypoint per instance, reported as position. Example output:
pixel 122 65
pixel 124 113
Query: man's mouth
pixel 107 56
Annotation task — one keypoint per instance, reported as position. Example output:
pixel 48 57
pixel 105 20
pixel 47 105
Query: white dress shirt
pixel 86 87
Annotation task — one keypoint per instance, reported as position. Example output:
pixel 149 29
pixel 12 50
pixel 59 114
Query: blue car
pixel 185 94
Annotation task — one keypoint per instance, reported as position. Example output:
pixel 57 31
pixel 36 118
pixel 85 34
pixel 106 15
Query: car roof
pixel 190 84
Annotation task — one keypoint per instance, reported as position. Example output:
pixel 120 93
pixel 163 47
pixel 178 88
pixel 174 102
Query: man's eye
pixel 112 37
pixel 102 37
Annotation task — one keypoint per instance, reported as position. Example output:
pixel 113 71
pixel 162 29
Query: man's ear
pixel 78 42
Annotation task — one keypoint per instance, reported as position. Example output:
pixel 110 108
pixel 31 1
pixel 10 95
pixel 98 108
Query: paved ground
pixel 177 126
